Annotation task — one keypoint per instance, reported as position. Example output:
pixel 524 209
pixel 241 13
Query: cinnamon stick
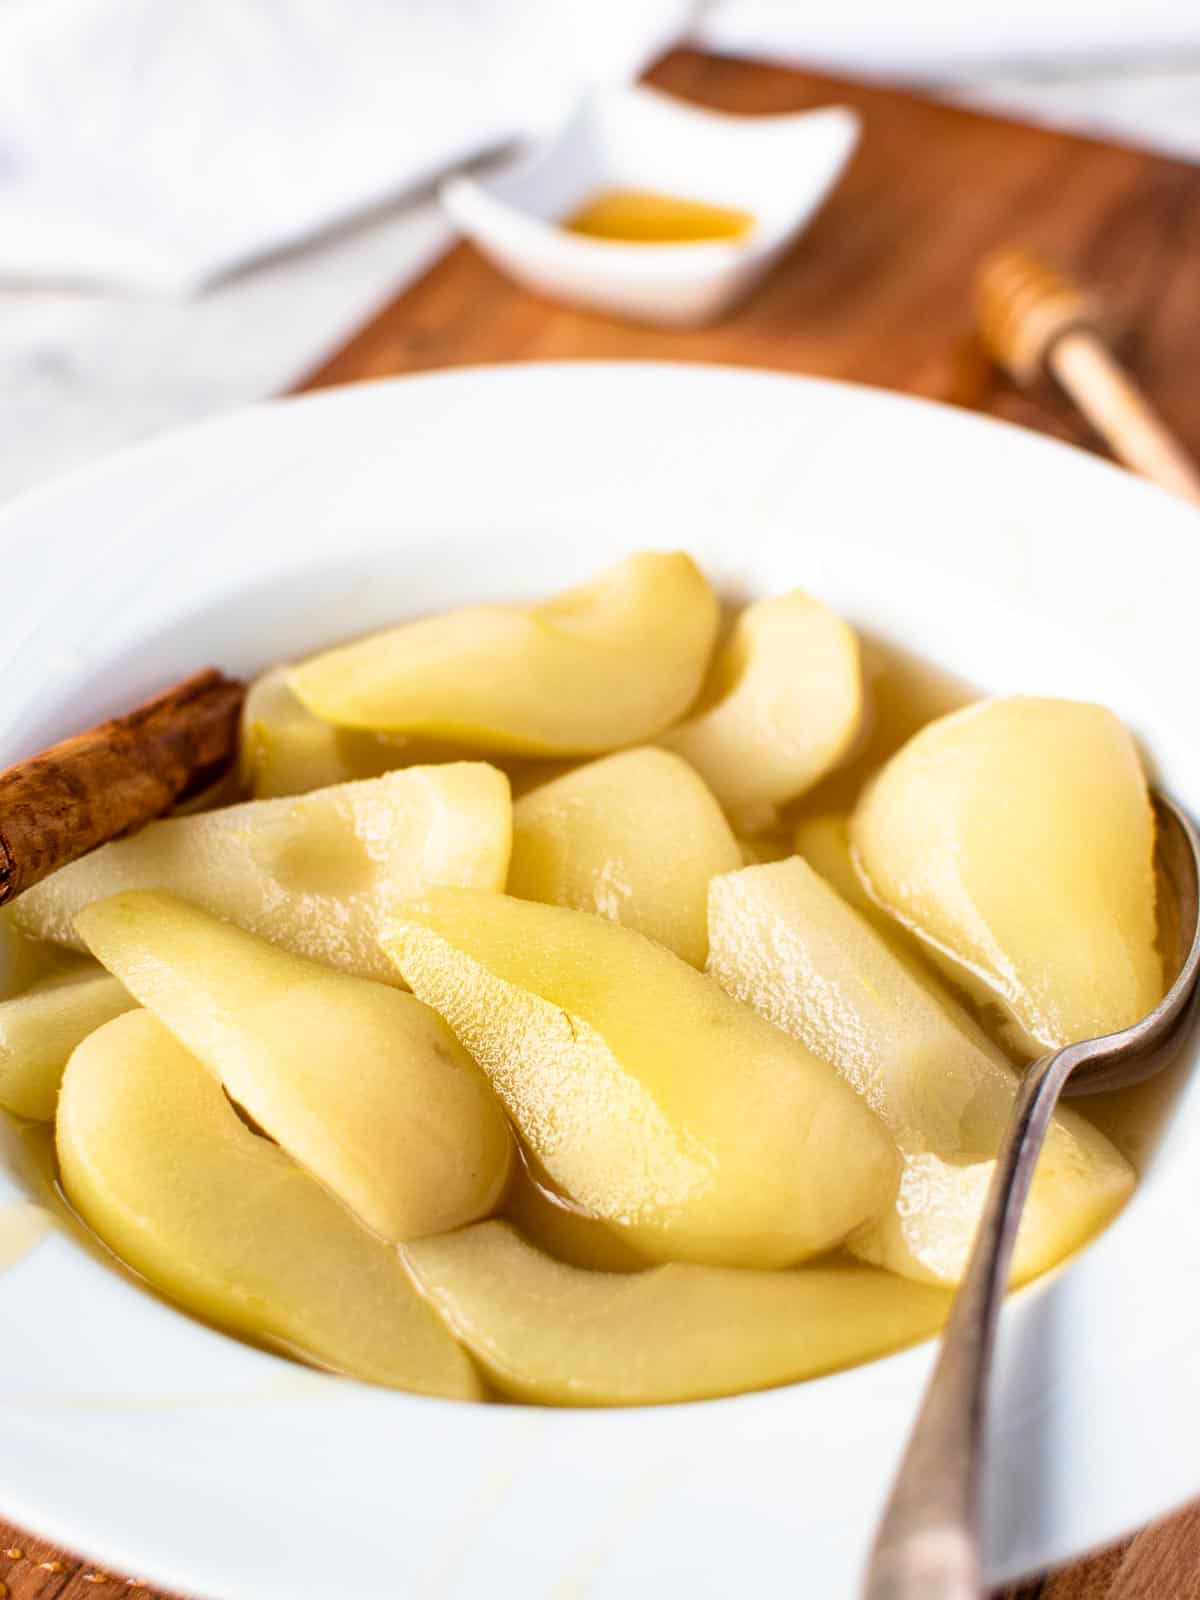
pixel 58 805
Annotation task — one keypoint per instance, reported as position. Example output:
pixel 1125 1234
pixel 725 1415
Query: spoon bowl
pixel 927 1546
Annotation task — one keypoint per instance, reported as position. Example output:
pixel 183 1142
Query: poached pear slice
pixel 634 837
pixel 285 750
pixel 648 1098
pixel 564 1233
pixel 782 706
pixel 824 842
pixel 362 1084
pixel 314 874
pixel 1016 839
pixel 158 1163
pixel 783 941
pixel 609 663
pixel 565 1336
pixel 40 1028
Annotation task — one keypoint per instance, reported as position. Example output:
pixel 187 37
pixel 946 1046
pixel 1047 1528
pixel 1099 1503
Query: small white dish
pixel 778 169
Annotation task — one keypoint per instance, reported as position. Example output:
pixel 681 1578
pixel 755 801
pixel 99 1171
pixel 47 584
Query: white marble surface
pixel 84 374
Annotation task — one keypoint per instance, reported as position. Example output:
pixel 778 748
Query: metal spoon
pixel 927 1547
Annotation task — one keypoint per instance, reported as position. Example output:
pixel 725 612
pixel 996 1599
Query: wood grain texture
pixel 879 290
pixel 31 1569
pixel 1091 1579
pixel 1163 1561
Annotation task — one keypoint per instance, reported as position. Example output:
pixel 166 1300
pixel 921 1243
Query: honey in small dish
pixel 641 216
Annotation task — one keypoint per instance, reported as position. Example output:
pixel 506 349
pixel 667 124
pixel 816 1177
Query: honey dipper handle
pixel 1117 409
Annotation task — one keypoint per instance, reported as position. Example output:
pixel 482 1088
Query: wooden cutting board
pixel 878 290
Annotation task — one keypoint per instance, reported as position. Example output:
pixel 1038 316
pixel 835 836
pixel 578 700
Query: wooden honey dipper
pixel 1033 321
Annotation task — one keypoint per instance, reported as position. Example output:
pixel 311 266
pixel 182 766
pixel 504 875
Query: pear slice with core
pixel 362 1084
pixel 1016 839
pixel 783 704
pixel 784 942
pixel 559 1335
pixel 645 1094
pixel 609 663
pixel 314 874
pixel 158 1163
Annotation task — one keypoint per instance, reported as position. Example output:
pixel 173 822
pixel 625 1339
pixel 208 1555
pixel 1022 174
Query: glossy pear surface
pixel 286 750
pixel 1016 838
pixel 645 1094
pixel 553 1225
pixel 158 1163
pixel 609 663
pixel 559 1335
pixel 784 942
pixel 362 1084
pixel 40 1028
pixel 315 874
pixel 824 842
pixel 634 837
pixel 781 707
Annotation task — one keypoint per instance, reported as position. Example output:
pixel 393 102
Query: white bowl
pixel 779 169
pixel 160 1447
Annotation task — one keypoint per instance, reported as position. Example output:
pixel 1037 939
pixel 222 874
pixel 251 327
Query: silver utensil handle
pixel 927 1547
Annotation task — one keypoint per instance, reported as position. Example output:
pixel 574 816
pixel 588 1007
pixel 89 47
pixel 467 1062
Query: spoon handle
pixel 927 1547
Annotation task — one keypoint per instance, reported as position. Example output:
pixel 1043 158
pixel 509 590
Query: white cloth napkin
pixel 160 144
